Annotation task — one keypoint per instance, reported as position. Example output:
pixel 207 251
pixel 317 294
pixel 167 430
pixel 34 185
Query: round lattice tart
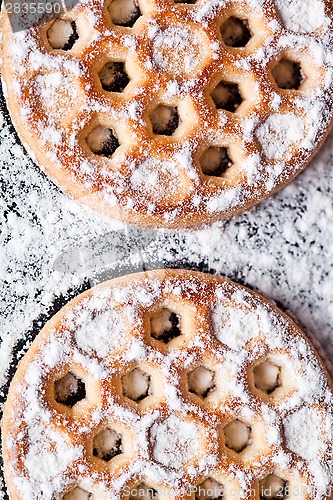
pixel 169 384
pixel 173 114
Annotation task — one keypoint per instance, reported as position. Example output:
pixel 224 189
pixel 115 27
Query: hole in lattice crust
pixel 113 76
pixel 136 385
pixel 209 489
pixel 124 12
pixel 190 2
pixel 237 435
pixel 69 390
pixel 107 444
pixel 201 381
pixel 227 96
pixel 142 491
pixel 288 74
pixel 272 487
pixel 215 161
pixel 102 141
pixel 267 376
pixel 164 120
pixel 62 34
pixel 235 32
pixel 78 494
pixel 165 325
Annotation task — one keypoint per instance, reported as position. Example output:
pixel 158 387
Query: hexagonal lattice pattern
pixel 215 161
pixel 78 494
pixel 267 376
pixel 236 32
pixel 103 141
pixel 288 74
pixel 175 441
pixel 136 385
pixel 69 390
pixel 113 76
pixel 272 487
pixel 164 120
pixel 227 96
pixel 237 435
pixel 165 326
pixel 209 489
pixel 142 491
pixel 124 12
pixel 62 34
pixel 107 444
pixel 201 381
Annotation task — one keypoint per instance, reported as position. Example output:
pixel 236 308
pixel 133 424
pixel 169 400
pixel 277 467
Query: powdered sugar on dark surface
pixel 283 248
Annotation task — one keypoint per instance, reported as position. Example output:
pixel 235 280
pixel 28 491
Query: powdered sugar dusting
pixel 304 16
pixel 102 334
pixel 172 40
pixel 299 426
pixel 235 328
pixel 175 442
pixel 282 248
pixel 279 135
pixel 49 456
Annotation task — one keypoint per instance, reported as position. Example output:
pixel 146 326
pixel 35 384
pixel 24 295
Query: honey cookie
pixel 173 114
pixel 169 385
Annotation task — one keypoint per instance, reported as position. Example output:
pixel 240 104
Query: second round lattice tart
pixel 169 384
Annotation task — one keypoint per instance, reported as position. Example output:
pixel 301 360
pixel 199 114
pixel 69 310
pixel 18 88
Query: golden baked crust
pixel 175 56
pixel 175 396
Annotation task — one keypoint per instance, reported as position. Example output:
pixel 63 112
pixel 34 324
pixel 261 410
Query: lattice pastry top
pixel 169 384
pixel 173 114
